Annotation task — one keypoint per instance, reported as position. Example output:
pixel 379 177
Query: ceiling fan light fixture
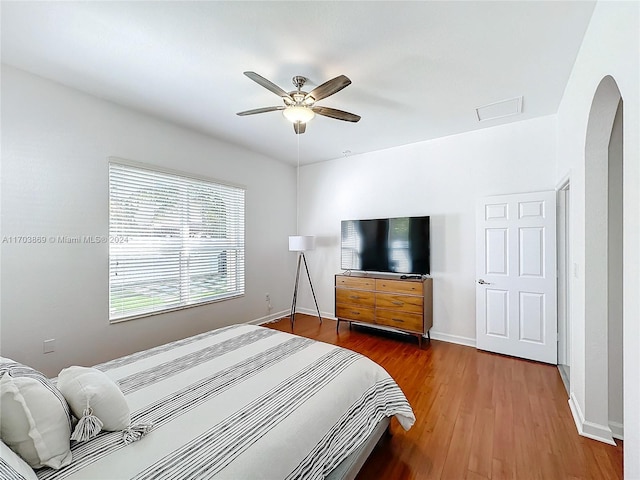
pixel 298 114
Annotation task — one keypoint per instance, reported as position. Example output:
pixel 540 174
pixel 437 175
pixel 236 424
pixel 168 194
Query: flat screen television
pixel 396 245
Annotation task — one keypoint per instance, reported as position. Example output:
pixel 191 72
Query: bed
pixel 243 402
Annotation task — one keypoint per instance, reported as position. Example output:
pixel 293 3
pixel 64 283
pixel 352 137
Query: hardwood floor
pixel 479 415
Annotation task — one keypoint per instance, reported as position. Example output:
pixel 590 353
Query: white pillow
pixel 34 419
pixel 85 387
pixel 13 467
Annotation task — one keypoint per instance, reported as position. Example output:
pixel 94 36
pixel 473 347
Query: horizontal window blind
pixel 175 241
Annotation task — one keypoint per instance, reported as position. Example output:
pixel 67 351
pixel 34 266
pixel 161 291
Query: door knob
pixel 482 282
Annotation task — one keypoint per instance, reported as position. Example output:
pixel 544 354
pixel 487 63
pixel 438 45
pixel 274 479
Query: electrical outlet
pixel 267 298
pixel 49 346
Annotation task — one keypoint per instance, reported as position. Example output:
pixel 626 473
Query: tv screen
pixel 397 245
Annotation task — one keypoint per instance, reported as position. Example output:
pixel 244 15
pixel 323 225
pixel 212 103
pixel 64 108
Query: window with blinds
pixel 175 241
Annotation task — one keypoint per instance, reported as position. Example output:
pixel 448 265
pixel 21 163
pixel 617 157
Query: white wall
pixel 441 178
pixel 55 144
pixel 615 285
pixel 610 47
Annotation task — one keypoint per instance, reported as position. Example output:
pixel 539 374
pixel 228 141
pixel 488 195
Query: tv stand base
pixel 419 336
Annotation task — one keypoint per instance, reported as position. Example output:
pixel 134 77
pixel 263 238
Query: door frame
pixel 564 262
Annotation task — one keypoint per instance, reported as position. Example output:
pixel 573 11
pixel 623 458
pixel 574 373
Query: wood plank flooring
pixel 479 415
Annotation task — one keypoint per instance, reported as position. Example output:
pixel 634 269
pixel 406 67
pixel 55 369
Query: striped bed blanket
pixel 241 402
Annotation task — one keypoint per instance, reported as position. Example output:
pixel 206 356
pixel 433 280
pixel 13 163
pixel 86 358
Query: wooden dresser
pixel 402 304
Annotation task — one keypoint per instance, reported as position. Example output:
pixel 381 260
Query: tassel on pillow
pixel 88 426
pixel 135 432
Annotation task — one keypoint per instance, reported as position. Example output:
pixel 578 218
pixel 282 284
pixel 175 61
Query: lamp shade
pixel 301 243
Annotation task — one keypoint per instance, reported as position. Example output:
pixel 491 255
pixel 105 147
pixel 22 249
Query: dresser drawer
pixel 399 286
pixel 402 320
pixel 406 303
pixel 355 282
pixel 351 296
pixel 358 314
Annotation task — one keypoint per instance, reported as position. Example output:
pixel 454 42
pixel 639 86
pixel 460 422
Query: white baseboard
pixel 314 313
pixel 617 430
pixel 285 313
pixel 445 337
pixel 269 318
pixel 594 431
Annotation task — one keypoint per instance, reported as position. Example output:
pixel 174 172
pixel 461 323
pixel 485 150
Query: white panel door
pixel 516 275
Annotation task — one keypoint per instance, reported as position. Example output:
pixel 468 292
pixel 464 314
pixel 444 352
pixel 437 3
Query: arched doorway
pixel 603 265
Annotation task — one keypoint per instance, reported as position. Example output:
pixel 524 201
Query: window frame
pixel 239 222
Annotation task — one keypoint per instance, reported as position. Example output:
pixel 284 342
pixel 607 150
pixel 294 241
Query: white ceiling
pixel 418 69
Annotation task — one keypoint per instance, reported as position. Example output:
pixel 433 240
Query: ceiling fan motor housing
pixel 299 81
pixel 299 96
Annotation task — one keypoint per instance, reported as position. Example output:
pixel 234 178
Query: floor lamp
pixel 301 244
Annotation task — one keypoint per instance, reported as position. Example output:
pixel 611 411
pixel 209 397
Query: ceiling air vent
pixel 504 108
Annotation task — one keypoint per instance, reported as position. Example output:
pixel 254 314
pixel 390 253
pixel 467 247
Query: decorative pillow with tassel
pixel 34 416
pixel 98 403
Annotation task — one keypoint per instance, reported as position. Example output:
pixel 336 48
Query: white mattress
pixel 242 402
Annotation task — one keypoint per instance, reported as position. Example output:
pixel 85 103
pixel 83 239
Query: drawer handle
pixel 355 313
pixel 395 302
pixel 397 320
pixel 354 297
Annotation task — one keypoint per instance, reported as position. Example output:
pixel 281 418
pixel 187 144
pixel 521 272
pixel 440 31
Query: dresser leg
pixel 337 325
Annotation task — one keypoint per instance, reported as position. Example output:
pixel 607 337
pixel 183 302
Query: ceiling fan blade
pixel 299 127
pixel 260 110
pixel 268 85
pixel 337 114
pixel 328 88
